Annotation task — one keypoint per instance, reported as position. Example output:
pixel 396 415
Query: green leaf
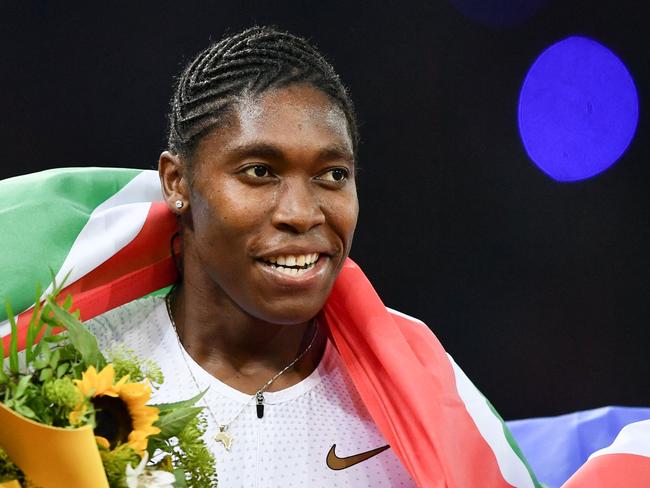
pixel 43 344
pixel 47 354
pixel 34 327
pixel 56 357
pixel 179 474
pixel 68 352
pixel 56 288
pixel 13 344
pixel 153 444
pixel 80 337
pixel 163 407
pixel 23 383
pixel 25 411
pixel 42 360
pixel 45 374
pixel 67 303
pixel 53 339
pixel 173 422
pixel 62 369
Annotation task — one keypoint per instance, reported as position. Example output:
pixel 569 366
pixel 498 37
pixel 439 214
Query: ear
pixel 173 180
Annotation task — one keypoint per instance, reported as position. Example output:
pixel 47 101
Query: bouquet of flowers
pixel 71 416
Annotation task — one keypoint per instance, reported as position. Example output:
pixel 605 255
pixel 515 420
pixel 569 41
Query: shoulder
pixel 409 323
pixel 417 333
pixel 130 321
pixel 407 320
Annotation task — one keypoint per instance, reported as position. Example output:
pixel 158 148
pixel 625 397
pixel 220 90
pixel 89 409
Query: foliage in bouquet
pixel 63 380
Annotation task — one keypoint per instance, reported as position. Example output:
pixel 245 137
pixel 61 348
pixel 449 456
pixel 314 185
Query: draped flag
pixel 108 231
pixel 625 463
pixel 441 427
pixel 556 447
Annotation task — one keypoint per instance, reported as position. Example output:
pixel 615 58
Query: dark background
pixel 540 290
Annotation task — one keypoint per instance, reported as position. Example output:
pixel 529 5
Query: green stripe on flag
pixel 41 215
pixel 515 447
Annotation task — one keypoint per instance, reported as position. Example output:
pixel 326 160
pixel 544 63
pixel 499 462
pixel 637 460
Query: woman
pixel 260 171
pixel 310 379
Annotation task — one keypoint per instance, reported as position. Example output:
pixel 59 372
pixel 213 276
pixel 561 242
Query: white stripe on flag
pixel 404 316
pixel 512 468
pixel 105 233
pixel 634 438
pixel 111 226
pixel 144 187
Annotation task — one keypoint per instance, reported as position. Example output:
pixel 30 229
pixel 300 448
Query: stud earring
pixel 179 204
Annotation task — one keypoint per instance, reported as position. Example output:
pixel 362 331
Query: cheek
pixel 343 213
pixel 226 215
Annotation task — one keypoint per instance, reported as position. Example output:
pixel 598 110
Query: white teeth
pixel 292 271
pixel 286 264
pixel 294 260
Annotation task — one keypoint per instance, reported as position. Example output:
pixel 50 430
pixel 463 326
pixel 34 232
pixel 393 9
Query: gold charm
pixel 224 437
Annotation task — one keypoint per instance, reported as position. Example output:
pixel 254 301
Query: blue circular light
pixel 578 109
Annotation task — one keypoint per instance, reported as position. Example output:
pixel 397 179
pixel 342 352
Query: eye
pixel 335 174
pixel 258 171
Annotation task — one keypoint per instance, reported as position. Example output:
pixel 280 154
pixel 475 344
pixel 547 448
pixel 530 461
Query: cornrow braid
pixel 249 63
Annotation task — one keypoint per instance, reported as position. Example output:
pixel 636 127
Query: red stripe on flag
pixel 404 377
pixel 149 246
pixel 142 266
pixel 612 471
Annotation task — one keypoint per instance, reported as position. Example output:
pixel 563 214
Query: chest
pixel 293 443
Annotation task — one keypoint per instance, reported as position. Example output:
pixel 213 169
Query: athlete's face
pixel 273 203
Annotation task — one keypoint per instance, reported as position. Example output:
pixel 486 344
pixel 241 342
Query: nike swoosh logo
pixel 336 463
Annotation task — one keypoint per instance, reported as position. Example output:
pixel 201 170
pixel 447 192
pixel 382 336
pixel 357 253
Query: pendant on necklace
pixel 224 437
pixel 259 404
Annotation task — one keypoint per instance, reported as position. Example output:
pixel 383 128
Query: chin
pixel 290 314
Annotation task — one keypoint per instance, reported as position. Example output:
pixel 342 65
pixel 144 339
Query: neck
pixel 239 349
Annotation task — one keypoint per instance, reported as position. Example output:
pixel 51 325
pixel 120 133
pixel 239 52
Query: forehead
pixel 295 116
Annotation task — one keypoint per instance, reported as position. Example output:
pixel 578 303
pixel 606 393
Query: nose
pixel 298 208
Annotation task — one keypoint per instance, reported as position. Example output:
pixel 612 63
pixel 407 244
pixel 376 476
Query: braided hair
pixel 247 64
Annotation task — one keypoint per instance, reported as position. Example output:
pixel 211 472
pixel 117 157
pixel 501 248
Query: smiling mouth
pixel 292 265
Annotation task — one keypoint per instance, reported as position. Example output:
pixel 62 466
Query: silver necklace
pixel 223 435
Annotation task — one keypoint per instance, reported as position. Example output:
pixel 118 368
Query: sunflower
pixel 122 414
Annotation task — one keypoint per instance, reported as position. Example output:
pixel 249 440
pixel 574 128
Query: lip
pixel 308 279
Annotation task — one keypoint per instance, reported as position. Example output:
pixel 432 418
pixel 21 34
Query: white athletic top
pixel 288 447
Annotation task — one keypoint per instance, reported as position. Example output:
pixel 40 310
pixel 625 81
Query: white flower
pixel 141 477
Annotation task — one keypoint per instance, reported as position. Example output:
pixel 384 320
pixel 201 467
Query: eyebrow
pixel 335 152
pixel 259 149
pixel 270 151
